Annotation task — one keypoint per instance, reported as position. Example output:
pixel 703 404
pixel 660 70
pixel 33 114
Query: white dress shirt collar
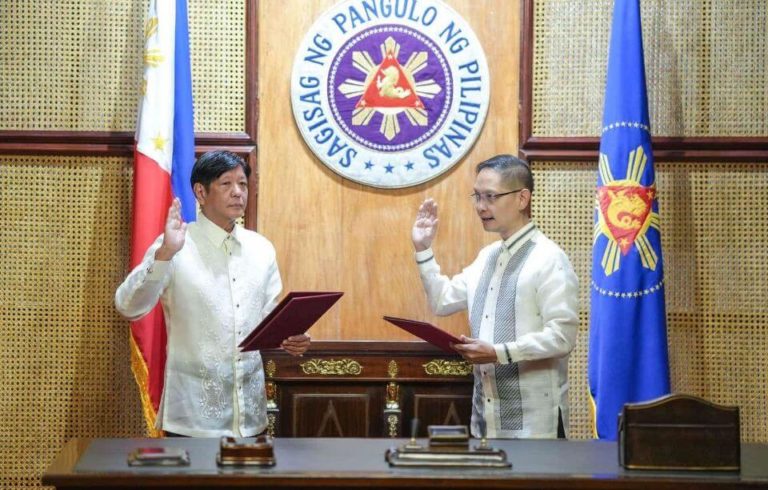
pixel 213 232
pixel 513 243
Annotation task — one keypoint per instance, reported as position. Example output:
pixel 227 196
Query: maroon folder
pixel 295 313
pixel 428 332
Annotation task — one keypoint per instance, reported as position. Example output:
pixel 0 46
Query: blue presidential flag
pixel 628 359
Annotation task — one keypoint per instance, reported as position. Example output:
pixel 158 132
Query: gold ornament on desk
pixel 331 367
pixel 442 367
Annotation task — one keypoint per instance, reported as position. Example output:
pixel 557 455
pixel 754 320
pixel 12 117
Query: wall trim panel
pixel 700 149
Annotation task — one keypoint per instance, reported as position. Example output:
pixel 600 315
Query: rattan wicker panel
pixel 64 349
pixel 217 47
pixel 706 66
pixel 76 65
pixel 716 267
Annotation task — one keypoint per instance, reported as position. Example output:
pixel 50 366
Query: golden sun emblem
pixel 624 213
pixel 152 56
pixel 389 89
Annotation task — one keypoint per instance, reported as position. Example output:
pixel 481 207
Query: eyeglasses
pixel 490 198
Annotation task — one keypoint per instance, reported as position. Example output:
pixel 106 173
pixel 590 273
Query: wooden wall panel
pixel 341 411
pixel 331 233
pixel 436 407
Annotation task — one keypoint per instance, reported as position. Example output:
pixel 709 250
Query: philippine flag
pixel 164 156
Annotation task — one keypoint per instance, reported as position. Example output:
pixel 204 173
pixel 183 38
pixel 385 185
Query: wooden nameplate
pixel 679 432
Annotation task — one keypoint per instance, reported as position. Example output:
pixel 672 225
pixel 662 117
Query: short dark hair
pixel 514 171
pixel 211 165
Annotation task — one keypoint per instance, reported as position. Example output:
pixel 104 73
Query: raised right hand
pixel 173 235
pixel 425 226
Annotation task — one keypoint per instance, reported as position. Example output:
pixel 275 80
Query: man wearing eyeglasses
pixel 522 297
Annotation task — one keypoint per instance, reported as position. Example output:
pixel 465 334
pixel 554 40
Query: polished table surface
pixel 357 463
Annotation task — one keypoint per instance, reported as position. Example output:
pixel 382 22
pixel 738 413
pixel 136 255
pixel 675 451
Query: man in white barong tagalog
pixel 522 297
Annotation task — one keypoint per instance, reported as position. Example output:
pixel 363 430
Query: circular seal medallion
pixel 390 93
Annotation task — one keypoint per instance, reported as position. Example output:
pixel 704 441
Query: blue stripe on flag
pixel 183 118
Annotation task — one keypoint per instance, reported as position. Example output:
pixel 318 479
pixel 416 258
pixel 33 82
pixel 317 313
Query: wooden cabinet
pixel 365 389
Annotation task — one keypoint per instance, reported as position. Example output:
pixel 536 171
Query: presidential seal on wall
pixel 390 93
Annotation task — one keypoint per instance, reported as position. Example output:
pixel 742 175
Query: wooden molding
pixel 252 108
pixel 372 347
pixel 581 148
pixel 375 360
pixel 525 105
pixel 252 69
pixel 106 143
pixel 670 149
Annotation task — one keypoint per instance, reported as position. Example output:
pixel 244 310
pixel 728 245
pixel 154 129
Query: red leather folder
pixel 295 313
pixel 428 332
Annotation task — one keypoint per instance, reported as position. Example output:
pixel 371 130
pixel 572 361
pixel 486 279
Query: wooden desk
pixel 359 463
pixel 365 389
